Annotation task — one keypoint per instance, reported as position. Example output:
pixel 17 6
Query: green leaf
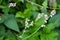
pixel 58 1
pixel 3 18
pixel 2 32
pixel 21 0
pixel 44 10
pixel 45 3
pixel 50 26
pixel 9 35
pixel 48 36
pixel 5 10
pixel 0 1
pixel 11 23
pixel 58 31
pixel 20 14
pixel 1 38
pixel 52 36
pixel 27 13
pixel 35 14
pixel 32 7
pixel 54 4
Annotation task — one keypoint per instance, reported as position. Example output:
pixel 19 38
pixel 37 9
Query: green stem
pixel 32 34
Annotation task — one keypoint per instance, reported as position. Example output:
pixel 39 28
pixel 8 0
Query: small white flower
pixel 45 21
pixel 12 4
pixel 39 16
pixel 31 24
pixel 26 23
pixel 27 19
pixel 53 12
pixel 46 17
pixel 43 25
pixel 20 36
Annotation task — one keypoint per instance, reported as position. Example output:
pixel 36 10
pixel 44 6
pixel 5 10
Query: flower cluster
pixel 40 15
pixel 42 25
pixel 12 4
pixel 27 25
pixel 46 18
pixel 53 12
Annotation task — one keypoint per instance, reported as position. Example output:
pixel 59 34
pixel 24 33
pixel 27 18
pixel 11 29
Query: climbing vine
pixel 29 19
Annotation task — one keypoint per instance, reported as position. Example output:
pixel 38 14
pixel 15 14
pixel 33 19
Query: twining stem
pixel 39 5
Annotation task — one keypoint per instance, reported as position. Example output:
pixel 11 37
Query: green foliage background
pixel 12 20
